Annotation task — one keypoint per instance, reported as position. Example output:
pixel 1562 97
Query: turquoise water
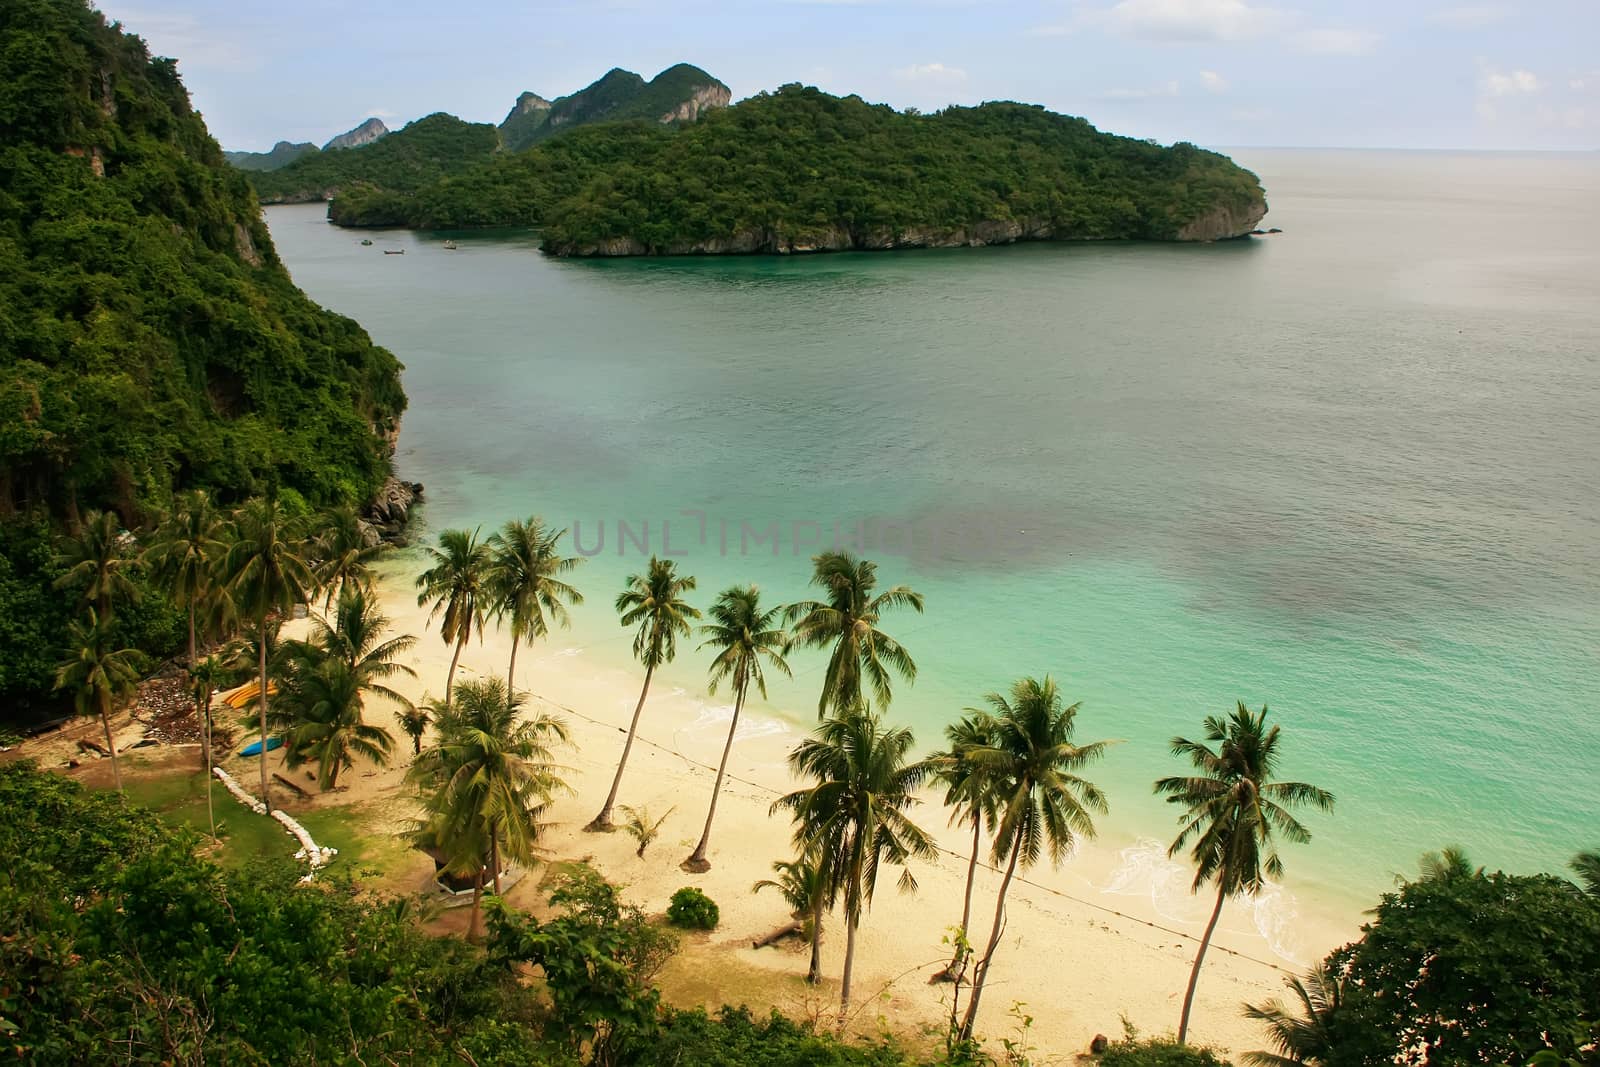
pixel 1350 470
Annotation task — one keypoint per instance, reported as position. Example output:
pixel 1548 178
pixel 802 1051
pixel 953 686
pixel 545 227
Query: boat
pixel 366 240
pixel 254 748
pixel 450 245
pixel 394 251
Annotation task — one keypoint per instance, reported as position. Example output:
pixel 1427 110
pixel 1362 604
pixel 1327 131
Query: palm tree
pixel 183 557
pixel 525 583
pixel 97 559
pixel 855 814
pixel 970 794
pixel 344 551
pixel 1232 808
pixel 97 675
pixel 205 677
pixel 652 601
pixel 848 621
pixel 267 574
pixel 802 882
pixel 325 702
pixel 641 827
pixel 355 638
pixel 1587 867
pixel 1304 1035
pixel 743 636
pixel 457 585
pixel 1031 767
pixel 1446 865
pixel 487 781
pixel 415 721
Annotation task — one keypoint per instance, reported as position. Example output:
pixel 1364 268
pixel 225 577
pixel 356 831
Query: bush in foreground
pixel 693 910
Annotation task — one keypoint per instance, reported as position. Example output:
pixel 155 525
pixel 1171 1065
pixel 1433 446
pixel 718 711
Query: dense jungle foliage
pixel 404 161
pixel 616 96
pixel 150 338
pixel 798 166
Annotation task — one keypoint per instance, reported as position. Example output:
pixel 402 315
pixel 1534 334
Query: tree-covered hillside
pixel 799 170
pixel 425 151
pixel 150 339
pixel 281 155
pixel 681 91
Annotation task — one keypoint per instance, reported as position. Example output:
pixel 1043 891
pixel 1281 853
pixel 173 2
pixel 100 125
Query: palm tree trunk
pixel 261 637
pixel 494 857
pixel 957 963
pixel 475 924
pixel 111 745
pixel 191 636
pixel 814 975
pixel 511 671
pixel 1199 958
pixel 849 967
pixel 450 678
pixel 601 823
pixel 698 863
pixel 981 974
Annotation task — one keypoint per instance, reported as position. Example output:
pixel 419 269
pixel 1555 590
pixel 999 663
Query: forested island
pixel 799 170
pixel 150 338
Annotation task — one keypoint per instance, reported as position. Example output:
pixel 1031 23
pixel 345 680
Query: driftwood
pixel 294 786
pixel 791 930
pixel 86 745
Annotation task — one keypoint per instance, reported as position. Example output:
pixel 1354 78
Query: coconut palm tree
pixel 183 556
pixel 971 795
pixel 743 636
pixel 1446 865
pixel 1031 765
pixel 525 582
pixel 205 678
pixel 267 575
pixel 653 603
pixel 325 702
pixel 355 637
pixel 855 813
pixel 1232 809
pixel 487 781
pixel 98 558
pixel 97 675
pixel 415 721
pixel 848 622
pixel 344 551
pixel 641 827
pixel 1587 866
pixel 1303 1034
pixel 803 884
pixel 457 585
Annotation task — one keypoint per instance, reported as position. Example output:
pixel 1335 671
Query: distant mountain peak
pixel 681 93
pixel 366 133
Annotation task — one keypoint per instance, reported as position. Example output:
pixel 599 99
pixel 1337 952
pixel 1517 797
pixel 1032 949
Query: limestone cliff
pixel 703 98
pixel 364 134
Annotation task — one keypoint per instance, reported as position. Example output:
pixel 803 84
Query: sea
pixel 1350 470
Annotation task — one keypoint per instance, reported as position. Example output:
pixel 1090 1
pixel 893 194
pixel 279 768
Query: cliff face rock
pixel 528 103
pixel 702 99
pixel 1224 222
pixel 366 133
pixel 390 511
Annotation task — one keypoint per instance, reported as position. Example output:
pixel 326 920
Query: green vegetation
pixel 1159 1052
pixel 281 155
pixel 402 162
pixel 150 339
pixel 798 169
pixel 690 909
pixel 617 95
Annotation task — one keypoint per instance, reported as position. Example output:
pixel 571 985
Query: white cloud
pixel 1190 20
pixel 1333 42
pixel 1494 83
pixel 1213 82
pixel 1167 89
pixel 931 72
pixel 1471 16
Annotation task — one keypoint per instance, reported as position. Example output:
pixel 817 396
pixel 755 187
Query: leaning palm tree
pixel 525 584
pixel 1031 766
pixel 267 574
pixel 97 674
pixel 344 551
pixel 855 813
pixel 970 794
pixel 848 622
pixel 743 636
pixel 1587 867
pixel 325 705
pixel 1304 1034
pixel 183 555
pixel 98 558
pixel 457 585
pixel 1232 809
pixel 487 782
pixel 653 602
pixel 205 678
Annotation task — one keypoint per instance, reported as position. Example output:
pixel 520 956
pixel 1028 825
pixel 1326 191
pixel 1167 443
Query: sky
pixel 1513 74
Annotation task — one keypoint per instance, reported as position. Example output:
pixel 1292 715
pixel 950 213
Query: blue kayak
pixel 254 748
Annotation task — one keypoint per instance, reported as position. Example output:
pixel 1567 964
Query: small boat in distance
pixel 394 251
pixel 450 245
pixel 366 240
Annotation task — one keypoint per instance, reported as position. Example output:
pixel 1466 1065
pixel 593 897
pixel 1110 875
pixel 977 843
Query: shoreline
pixel 1130 956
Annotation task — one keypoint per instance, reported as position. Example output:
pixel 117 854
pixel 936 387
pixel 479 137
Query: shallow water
pixel 1349 470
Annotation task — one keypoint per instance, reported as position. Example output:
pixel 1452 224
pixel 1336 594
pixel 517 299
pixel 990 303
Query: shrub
pixel 693 910
pixel 1160 1052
